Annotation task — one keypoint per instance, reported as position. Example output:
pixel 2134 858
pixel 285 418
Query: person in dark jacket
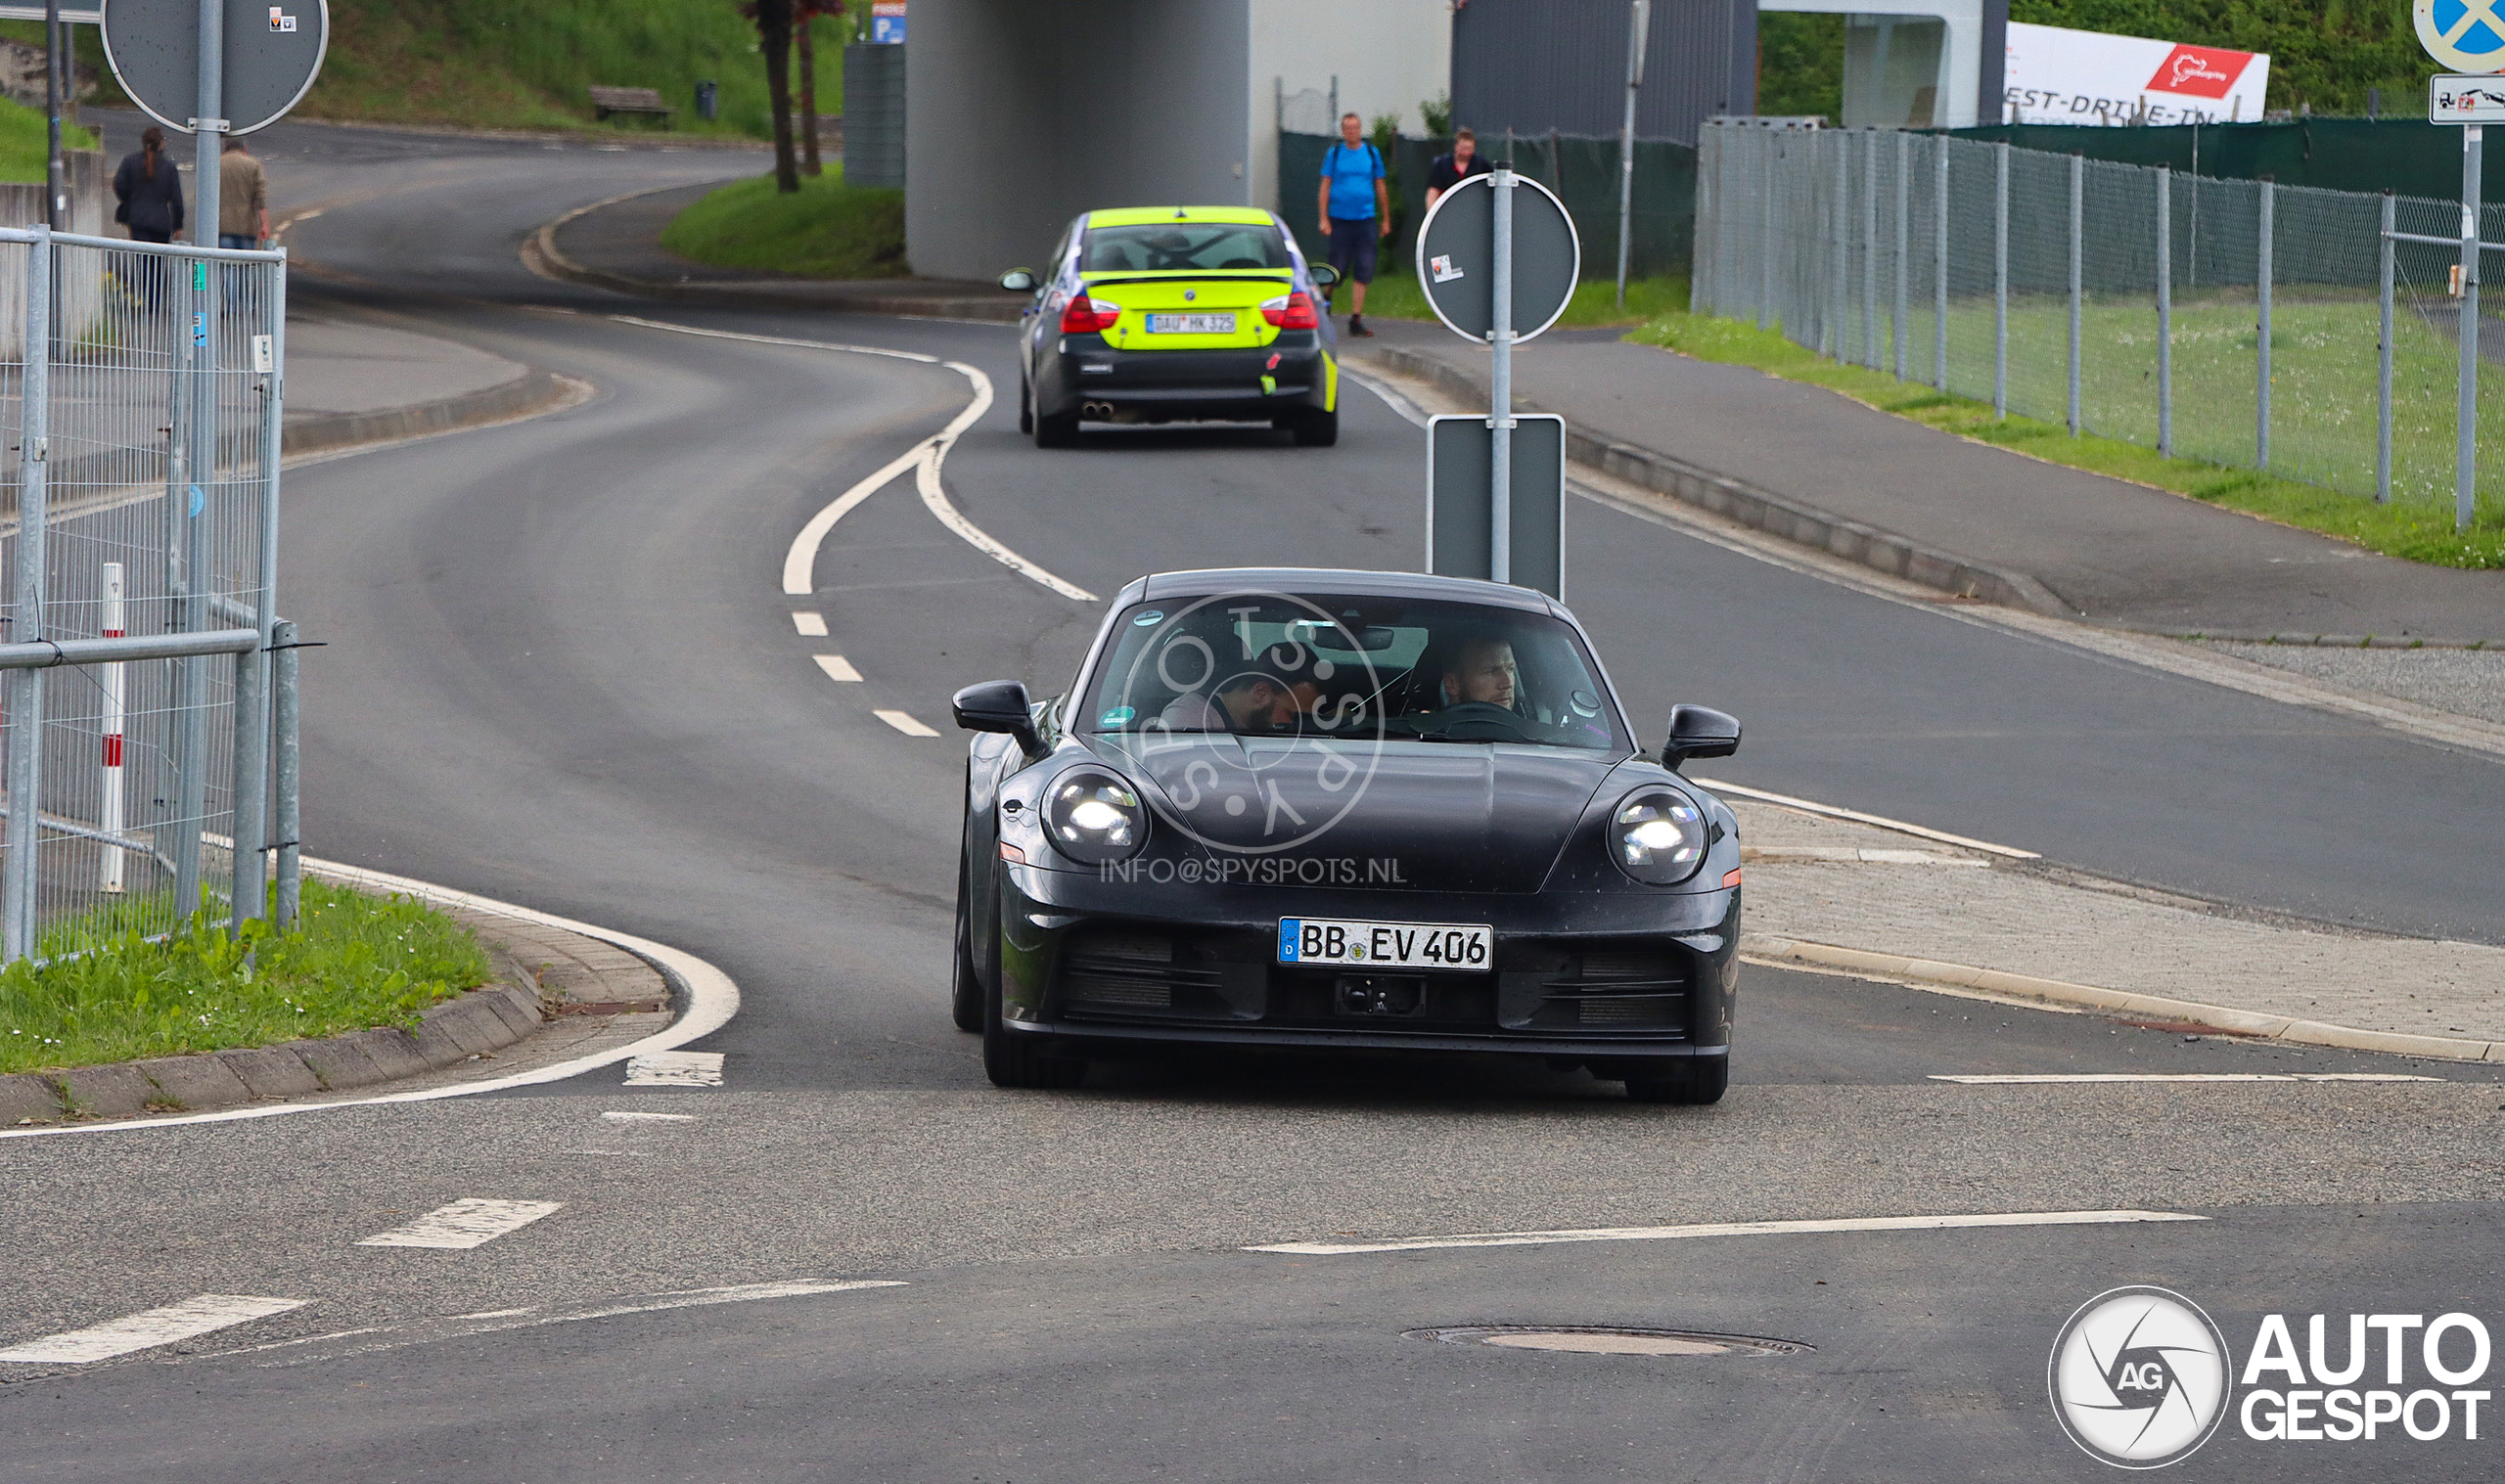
pixel 150 193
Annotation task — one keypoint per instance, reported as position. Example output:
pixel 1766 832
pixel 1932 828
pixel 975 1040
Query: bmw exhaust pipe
pixel 1101 411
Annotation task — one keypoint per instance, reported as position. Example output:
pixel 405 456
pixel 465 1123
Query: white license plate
pixel 1191 324
pixel 1386 945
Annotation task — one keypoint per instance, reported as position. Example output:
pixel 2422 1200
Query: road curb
pixel 2243 1023
pixel 528 395
pixel 541 255
pixel 1792 520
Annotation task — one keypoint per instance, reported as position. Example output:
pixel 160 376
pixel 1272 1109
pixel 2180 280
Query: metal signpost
pixel 1495 252
pixel 1637 24
pixel 2469 36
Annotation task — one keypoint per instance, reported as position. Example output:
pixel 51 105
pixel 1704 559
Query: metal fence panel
pixel 2127 297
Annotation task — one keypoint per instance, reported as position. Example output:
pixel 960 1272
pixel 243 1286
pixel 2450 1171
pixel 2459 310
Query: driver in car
pixel 1248 701
pixel 1482 670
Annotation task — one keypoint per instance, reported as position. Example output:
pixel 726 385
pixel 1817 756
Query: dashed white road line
pixel 904 722
pixel 2023 1079
pixel 675 1069
pixel 1730 1229
pixel 463 1223
pixel 620 1116
pixel 141 1332
pixel 838 667
pixel 801 559
pixel 810 625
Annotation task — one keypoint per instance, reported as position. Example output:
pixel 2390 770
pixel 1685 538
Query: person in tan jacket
pixel 243 199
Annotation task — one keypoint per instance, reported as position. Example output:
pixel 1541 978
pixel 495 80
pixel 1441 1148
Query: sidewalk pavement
pixel 1811 465
pixel 1816 884
pixel 352 379
pixel 616 245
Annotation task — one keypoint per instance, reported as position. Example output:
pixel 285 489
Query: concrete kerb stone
pixel 119 1090
pixel 533 393
pixel 339 1061
pixel 2243 1023
pixel 271 1071
pixel 25 1098
pixel 1790 519
pixel 197 1081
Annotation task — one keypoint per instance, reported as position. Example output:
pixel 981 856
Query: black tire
pixel 1013 1060
pixel 1690 1080
pixel 1025 418
pixel 965 990
pixel 1317 429
pixel 1058 432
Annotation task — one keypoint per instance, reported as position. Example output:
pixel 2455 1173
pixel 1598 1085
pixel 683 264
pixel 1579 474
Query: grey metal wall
pixel 1542 65
pixel 1022 113
pixel 874 114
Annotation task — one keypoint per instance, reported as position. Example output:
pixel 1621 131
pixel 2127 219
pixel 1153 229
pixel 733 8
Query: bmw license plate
pixel 1191 324
pixel 1387 945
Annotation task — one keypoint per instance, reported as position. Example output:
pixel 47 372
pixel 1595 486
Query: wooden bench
pixel 607 101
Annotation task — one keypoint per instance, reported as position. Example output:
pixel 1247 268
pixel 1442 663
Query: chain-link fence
pixel 140 394
pixel 2233 320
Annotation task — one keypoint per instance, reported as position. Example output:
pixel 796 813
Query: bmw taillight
pixel 1295 312
pixel 1087 316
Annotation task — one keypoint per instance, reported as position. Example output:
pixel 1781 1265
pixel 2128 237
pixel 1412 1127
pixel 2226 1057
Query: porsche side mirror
pixel 1699 731
pixel 1323 275
pixel 998 705
pixel 1018 281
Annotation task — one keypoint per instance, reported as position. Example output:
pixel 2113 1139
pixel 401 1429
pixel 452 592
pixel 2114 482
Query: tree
pixel 804 15
pixel 774 38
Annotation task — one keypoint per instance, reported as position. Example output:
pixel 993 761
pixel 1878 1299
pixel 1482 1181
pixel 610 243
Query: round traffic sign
pixel 2462 35
pixel 272 54
pixel 1457 257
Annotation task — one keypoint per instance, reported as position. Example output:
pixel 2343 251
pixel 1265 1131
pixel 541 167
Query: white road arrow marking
pixel 142 1332
pixel 463 1223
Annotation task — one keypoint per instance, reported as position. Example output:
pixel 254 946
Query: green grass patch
pixel 2413 526
pixel 1395 295
pixel 25 139
pixel 353 963
pixel 827 229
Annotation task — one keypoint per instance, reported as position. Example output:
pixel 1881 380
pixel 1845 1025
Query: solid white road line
pixel 904 723
pixel 801 559
pixel 463 1223
pixel 1831 811
pixel 2012 1079
pixel 157 1327
pixel 675 1069
pixel 712 999
pixel 1730 1229
pixel 838 667
pixel 626 1117
pixel 810 625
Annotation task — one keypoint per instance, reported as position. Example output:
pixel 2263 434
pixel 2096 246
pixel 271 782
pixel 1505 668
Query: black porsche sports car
pixel 1341 809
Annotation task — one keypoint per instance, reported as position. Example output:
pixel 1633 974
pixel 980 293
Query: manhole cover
pixel 1608 1339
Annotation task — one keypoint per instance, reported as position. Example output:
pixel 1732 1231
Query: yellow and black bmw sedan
pixel 1163 314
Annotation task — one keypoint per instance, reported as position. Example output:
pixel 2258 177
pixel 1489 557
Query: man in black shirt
pixel 1450 170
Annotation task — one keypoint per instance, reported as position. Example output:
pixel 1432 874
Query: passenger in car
pixel 1248 701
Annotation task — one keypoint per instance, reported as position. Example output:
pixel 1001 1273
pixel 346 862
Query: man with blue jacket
pixel 1355 209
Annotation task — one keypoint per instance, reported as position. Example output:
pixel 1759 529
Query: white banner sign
pixel 2477 99
pixel 2059 75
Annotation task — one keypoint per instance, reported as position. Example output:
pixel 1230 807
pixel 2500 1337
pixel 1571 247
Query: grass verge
pixel 826 230
pixel 1395 295
pixel 24 140
pixel 355 962
pixel 2418 530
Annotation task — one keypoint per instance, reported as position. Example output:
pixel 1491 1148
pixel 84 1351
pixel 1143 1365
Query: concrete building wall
pixel 1390 55
pixel 1022 113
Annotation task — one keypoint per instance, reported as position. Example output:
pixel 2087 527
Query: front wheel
pixel 965 990
pixel 1316 427
pixel 1691 1080
pixel 1025 406
pixel 1014 1060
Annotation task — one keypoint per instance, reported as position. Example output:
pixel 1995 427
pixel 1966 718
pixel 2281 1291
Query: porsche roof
pixel 1323 579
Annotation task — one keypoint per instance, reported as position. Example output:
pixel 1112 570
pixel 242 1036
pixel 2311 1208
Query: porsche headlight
pixel 1658 836
pixel 1095 817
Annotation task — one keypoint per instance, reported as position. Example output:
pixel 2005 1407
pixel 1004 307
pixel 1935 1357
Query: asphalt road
pixel 561 671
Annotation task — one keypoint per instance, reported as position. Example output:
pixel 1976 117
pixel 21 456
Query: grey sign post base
pixel 1497 251
pixel 1461 460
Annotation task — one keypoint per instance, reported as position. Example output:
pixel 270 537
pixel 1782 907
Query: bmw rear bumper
pixel 1094 382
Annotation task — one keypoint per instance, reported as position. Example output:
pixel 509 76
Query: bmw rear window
pixel 1183 247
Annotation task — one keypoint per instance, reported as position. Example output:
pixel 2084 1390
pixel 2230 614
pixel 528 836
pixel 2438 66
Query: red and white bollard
pixel 110 812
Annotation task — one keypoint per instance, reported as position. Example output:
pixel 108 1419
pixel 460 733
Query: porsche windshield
pixel 1353 668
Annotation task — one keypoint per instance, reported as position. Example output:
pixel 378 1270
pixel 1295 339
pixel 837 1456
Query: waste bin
pixel 709 100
